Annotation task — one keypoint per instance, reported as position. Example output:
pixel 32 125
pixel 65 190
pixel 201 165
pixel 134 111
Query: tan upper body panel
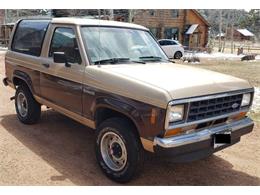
pixel 95 22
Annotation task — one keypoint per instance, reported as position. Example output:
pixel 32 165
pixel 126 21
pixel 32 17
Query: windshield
pixel 106 45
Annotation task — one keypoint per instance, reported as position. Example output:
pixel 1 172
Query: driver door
pixel 60 84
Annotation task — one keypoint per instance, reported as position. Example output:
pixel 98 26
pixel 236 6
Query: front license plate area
pixel 222 138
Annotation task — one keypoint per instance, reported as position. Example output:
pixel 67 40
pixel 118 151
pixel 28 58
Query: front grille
pixel 204 109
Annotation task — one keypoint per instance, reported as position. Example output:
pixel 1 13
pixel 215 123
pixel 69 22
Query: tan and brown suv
pixel 115 78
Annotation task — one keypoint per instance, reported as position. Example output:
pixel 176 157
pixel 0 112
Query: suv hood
pixel 181 81
pixel 158 83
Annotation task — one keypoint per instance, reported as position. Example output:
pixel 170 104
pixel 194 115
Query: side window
pixel 64 40
pixel 175 13
pixel 163 43
pixel 154 31
pixel 29 36
pixel 173 43
pixel 167 42
pixel 171 33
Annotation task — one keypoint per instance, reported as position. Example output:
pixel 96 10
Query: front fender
pixel 138 112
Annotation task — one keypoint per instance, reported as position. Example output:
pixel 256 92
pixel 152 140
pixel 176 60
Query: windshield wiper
pixel 153 58
pixel 111 60
pixel 150 57
pixel 139 62
pixel 117 60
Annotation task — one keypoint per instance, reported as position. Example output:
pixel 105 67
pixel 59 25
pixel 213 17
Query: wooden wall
pixel 2 16
pixel 202 30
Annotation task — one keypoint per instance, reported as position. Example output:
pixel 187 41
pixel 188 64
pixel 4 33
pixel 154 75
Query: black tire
pixel 135 153
pixel 177 55
pixel 33 113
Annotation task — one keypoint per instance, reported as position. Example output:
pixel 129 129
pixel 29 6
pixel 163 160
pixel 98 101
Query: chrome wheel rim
pixel 113 151
pixel 22 104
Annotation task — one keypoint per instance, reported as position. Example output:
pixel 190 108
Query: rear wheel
pixel 27 109
pixel 177 55
pixel 118 150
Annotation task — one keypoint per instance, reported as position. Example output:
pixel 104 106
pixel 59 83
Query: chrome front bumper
pixel 203 135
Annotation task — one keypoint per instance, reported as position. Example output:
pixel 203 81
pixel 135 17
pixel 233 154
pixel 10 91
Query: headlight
pixel 246 99
pixel 175 113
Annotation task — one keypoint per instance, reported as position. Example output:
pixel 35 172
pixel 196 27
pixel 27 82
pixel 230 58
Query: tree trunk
pixel 184 24
pixel 220 31
pixel 111 14
pixel 232 37
pixel 130 15
pixel 232 31
pixel 226 31
pixel 99 14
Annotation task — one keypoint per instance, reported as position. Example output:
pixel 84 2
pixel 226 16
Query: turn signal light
pixel 173 132
pixel 237 117
pixel 182 130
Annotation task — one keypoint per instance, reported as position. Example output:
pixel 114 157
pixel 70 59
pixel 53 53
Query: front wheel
pixel 177 55
pixel 118 150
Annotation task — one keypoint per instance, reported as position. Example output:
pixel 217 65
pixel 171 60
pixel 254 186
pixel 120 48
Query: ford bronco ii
pixel 115 78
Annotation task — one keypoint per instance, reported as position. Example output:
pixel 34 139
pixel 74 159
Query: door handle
pixel 46 65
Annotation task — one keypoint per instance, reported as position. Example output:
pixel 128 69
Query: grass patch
pixel 249 71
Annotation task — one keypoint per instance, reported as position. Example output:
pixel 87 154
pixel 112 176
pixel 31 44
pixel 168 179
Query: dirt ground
pixel 59 151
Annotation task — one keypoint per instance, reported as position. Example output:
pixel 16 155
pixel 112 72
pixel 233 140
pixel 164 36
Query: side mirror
pixel 60 57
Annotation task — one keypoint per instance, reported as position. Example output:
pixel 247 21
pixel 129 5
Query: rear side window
pixel 29 36
pixel 173 43
pixel 167 42
pixel 162 42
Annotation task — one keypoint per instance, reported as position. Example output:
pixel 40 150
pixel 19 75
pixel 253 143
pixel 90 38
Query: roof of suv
pixel 83 21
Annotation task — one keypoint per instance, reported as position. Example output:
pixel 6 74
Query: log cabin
pixel 186 26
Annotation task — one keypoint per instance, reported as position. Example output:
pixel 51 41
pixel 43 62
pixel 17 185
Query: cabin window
pixel 29 36
pixel 171 33
pixel 175 13
pixel 152 12
pixel 154 31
